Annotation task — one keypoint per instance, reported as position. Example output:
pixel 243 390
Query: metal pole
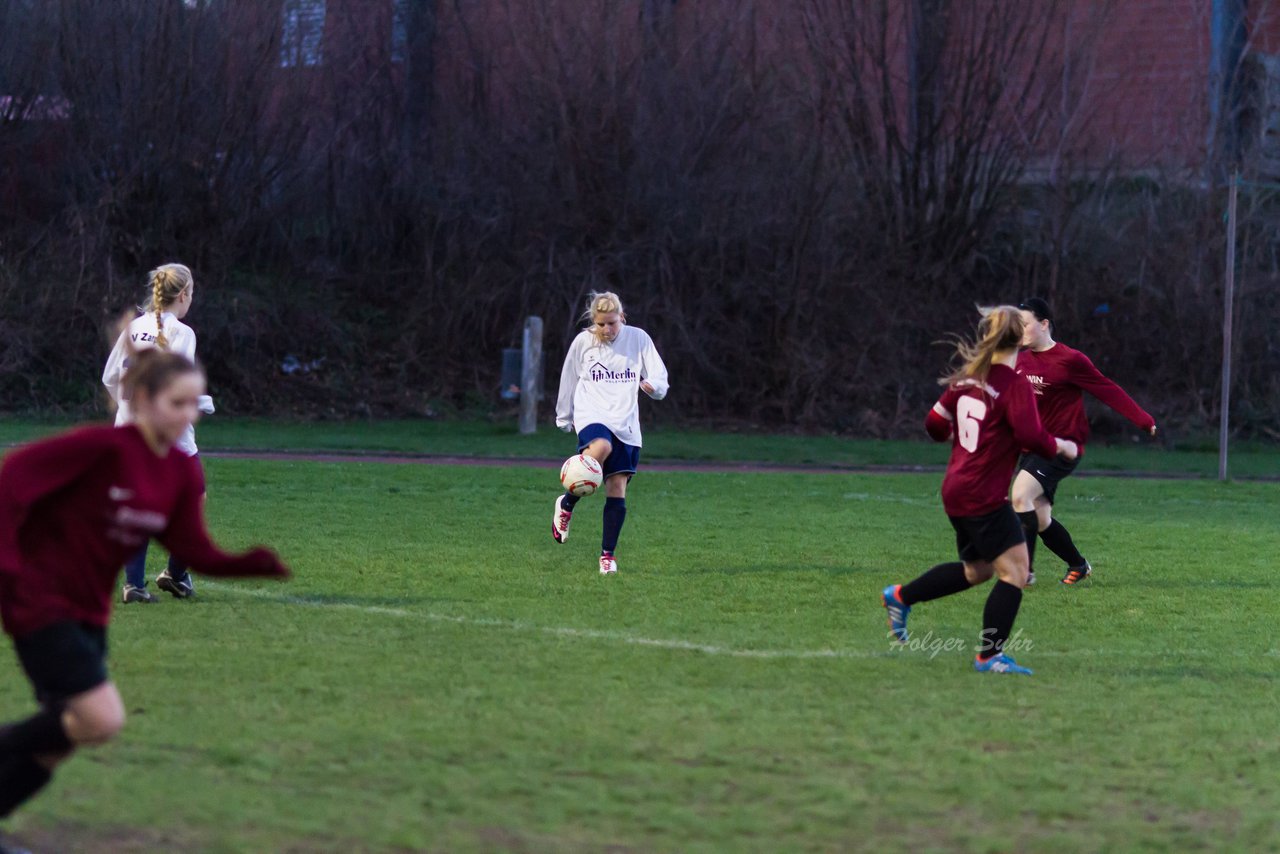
pixel 1228 299
pixel 531 375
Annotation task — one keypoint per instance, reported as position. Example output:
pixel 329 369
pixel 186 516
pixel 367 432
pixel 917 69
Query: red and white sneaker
pixel 560 519
pixel 608 564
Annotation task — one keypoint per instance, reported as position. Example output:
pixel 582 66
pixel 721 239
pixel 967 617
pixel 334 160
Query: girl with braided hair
pixel 72 509
pixel 170 292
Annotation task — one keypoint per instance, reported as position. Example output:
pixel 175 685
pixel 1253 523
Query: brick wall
pixel 1135 86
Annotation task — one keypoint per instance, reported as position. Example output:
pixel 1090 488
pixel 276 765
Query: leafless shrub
pixel 796 203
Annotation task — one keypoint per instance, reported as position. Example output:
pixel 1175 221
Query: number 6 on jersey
pixel 969 414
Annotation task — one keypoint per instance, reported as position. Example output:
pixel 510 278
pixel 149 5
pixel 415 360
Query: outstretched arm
pixel 1086 375
pixel 187 539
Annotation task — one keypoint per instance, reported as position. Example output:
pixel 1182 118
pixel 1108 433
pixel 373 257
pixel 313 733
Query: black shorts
pixel 63 659
pixel 988 536
pixel 1049 473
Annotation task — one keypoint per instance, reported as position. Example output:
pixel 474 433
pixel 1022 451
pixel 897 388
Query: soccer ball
pixel 581 474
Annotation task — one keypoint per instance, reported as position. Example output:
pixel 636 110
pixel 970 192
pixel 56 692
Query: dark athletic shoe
pixel 181 588
pixel 1076 574
pixel 131 594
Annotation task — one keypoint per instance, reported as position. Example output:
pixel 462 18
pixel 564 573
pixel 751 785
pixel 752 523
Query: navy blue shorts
pixel 988 536
pixel 623 459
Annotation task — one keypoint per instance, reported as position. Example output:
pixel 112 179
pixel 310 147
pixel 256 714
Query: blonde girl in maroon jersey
pixel 72 509
pixel 988 412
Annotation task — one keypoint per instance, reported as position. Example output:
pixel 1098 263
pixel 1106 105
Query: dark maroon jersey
pixel 1060 376
pixel 989 424
pixel 75 507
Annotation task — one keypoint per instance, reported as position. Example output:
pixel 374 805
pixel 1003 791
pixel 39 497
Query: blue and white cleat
pixel 897 611
pixel 999 664
pixel 179 588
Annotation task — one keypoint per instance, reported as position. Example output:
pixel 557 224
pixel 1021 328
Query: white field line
pixel 889 651
pixel 555 631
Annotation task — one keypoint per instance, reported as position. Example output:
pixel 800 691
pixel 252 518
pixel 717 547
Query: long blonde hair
pixel 602 302
pixel 999 329
pixel 167 282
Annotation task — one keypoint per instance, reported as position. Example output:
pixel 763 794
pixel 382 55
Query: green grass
pixel 489 439
pixel 441 676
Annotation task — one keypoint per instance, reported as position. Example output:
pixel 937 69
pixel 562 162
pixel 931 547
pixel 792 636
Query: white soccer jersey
pixel 142 332
pixel 600 383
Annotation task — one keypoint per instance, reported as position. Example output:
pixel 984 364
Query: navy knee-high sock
pixel 1059 541
pixel 568 501
pixel 135 571
pixel 997 618
pixel 1031 530
pixel 177 569
pixel 20 778
pixel 615 513
pixel 942 580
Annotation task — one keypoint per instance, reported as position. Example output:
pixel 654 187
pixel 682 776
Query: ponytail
pixel 1000 329
pixel 159 279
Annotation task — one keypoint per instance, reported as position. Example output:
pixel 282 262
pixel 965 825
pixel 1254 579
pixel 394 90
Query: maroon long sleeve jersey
pixel 1060 376
pixel 75 507
pixel 989 425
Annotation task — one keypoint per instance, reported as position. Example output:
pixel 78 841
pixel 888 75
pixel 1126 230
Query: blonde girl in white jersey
pixel 607 366
pixel 171 290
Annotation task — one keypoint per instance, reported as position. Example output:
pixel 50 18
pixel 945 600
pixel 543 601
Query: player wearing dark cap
pixel 1060 376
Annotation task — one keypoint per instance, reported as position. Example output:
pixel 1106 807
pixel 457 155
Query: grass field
pixel 1187 456
pixel 441 676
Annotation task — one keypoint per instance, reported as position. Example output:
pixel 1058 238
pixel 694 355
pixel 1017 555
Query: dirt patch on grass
pixel 115 839
pixel 72 839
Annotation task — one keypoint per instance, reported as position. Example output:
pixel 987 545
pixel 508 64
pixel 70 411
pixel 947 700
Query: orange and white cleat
pixel 608 564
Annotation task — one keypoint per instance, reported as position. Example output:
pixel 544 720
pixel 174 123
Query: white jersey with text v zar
pixel 142 332
pixel 600 383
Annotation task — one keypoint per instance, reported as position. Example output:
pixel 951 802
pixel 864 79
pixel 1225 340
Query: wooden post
pixel 1228 298
pixel 531 375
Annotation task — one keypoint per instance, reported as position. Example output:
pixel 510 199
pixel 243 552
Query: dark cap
pixel 1038 307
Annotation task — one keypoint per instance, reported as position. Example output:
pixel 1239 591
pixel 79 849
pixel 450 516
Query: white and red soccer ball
pixel 581 474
